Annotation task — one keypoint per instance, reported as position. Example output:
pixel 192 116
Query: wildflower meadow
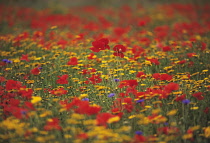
pixel 105 74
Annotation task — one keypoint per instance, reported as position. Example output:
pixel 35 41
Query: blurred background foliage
pixel 41 4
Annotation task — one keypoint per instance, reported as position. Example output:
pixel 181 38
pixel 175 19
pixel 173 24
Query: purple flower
pixel 23 112
pixel 186 101
pixel 139 101
pixel 7 61
pixel 85 99
pixel 111 95
pixel 139 132
pixel 4 60
pixel 40 68
pixel 116 80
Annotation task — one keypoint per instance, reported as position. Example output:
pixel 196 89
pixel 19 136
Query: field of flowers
pixel 99 75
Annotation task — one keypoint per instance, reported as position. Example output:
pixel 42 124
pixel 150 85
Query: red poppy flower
pixel 142 23
pixel 58 92
pixel 119 49
pixel 2 64
pixel 139 139
pixel 141 75
pixel 62 42
pixel 73 61
pixel 171 87
pixel 191 63
pixel 99 45
pixel 131 83
pixel 91 56
pixel 168 130
pixel 85 108
pixel 206 110
pixel 137 51
pixel 29 105
pixel 131 90
pixel 26 92
pixel 154 61
pixel 94 79
pixel 180 97
pixel 12 84
pixel 25 58
pixel 182 62
pixel 164 76
pixel 128 107
pixel 52 124
pixel 203 46
pixel 115 110
pixel 82 107
pixel 2 79
pixel 119 31
pixel 82 136
pixel 191 55
pixel 166 48
pixel 198 95
pixel 146 41
pixel 62 79
pixel 102 118
pixel 35 71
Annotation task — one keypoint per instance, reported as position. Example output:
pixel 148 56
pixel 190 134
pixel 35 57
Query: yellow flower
pixel 132 116
pixel 113 119
pixel 207 132
pixel 194 128
pixel 156 111
pixel 83 95
pixel 77 116
pixel 67 136
pixel 36 99
pixel 187 136
pixel 72 121
pixel 16 61
pixel 172 112
pixel 194 108
pixel 30 81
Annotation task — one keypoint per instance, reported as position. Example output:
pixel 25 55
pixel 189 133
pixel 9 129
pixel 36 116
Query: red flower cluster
pixel 131 83
pixel 12 84
pixel 163 76
pixel 100 44
pixel 198 96
pixel 119 49
pixel 81 107
pixel 62 79
pixel 35 71
pixel 25 58
pixel 102 118
pixel 52 124
pixel 58 92
pixel 141 75
pixel 73 61
pixel 154 61
pixel 94 79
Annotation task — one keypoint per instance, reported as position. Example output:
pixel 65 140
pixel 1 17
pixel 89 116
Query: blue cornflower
pixel 186 101
pixel 111 95
pixel 85 99
pixel 139 132
pixel 40 68
pixel 4 60
pixel 23 112
pixel 139 101
pixel 116 80
pixel 7 61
